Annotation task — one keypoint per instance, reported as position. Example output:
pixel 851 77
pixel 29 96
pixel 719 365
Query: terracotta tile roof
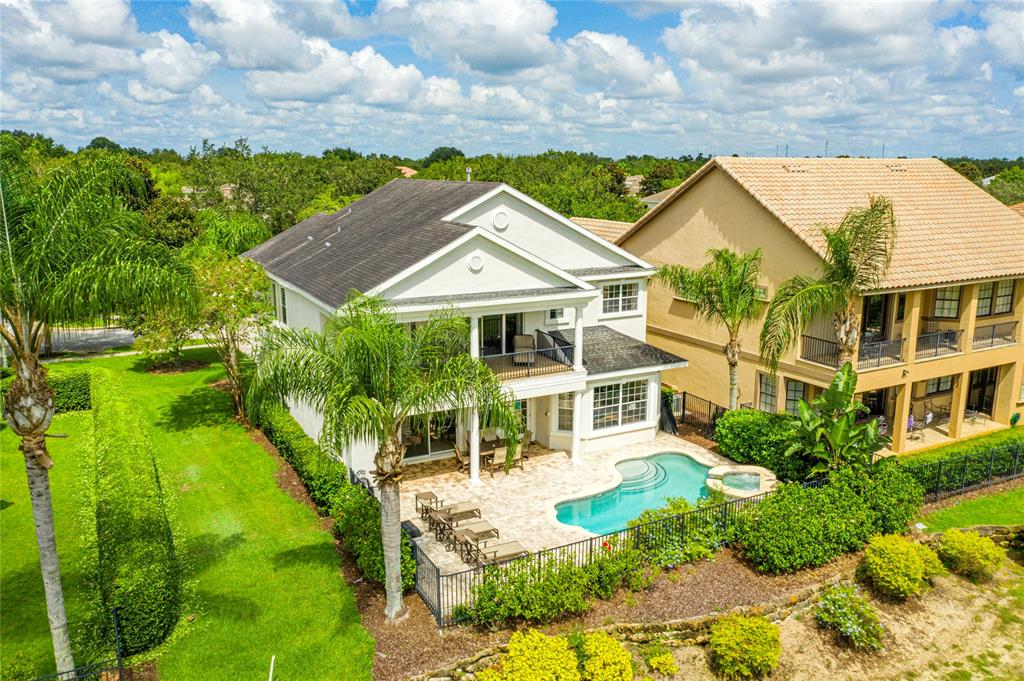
pixel 609 230
pixel 948 229
pixel 1019 207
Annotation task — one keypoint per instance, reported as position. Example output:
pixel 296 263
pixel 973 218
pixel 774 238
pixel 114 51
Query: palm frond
pixel 796 302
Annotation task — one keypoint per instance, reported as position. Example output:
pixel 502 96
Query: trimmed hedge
pixel 797 526
pixel 756 437
pixel 897 567
pixel 137 568
pixel 72 391
pixel 322 475
pixel 356 516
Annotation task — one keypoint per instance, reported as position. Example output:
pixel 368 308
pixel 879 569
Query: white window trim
pixel 558 410
pixel 620 313
pixel 620 426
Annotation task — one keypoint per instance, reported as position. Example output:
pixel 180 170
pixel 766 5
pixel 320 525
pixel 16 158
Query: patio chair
pixel 462 459
pixel 498 464
pixel 499 553
pixel 527 441
pixel 523 347
pixel 453 513
pixel 426 501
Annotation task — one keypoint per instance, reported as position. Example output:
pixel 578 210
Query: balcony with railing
pixel 938 343
pixel 994 335
pixel 881 353
pixel 549 355
pixel 819 351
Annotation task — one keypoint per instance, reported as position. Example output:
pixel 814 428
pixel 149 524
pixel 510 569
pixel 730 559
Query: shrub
pixel 894 496
pixel 356 516
pixel 532 656
pixel 527 590
pixel 72 390
pixel 612 570
pixel 137 568
pixel 744 647
pixel 604 659
pixel 321 474
pixel 18 667
pixel 966 463
pixel 897 567
pixel 969 554
pixel 844 610
pixel 757 437
pixel 659 658
pixel 676 540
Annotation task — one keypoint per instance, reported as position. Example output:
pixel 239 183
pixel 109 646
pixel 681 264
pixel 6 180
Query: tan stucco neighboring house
pixel 941 339
pixel 609 230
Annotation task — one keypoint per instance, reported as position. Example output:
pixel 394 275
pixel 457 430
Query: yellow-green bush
pixel 532 656
pixel 744 647
pixel 604 659
pixel 664 663
pixel 969 554
pixel 897 567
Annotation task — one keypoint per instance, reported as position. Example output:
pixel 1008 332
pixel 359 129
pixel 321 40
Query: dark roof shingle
pixel 371 240
pixel 606 351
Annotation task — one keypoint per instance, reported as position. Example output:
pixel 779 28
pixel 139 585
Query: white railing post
pixel 577 352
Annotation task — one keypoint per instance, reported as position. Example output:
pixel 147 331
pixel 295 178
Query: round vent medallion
pixel 476 262
pixel 500 220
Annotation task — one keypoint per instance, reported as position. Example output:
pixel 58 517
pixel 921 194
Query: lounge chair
pixel 426 501
pixel 523 346
pixel 498 464
pixel 499 553
pixel 454 512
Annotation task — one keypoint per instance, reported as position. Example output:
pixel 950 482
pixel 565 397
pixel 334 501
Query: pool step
pixel 641 476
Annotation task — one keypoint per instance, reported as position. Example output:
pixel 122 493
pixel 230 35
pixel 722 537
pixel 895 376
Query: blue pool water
pixel 646 483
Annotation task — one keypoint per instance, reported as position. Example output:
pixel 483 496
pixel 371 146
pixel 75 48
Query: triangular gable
pixel 531 225
pixel 478 263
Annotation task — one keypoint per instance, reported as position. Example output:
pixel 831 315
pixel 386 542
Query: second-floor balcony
pixel 870 355
pixel 938 343
pixel 536 354
pixel 994 335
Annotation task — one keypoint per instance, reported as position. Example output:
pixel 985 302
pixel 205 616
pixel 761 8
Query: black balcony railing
pixel 880 353
pixel 820 351
pixel 551 356
pixel 938 343
pixel 994 335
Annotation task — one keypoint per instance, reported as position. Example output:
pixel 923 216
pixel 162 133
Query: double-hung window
pixel 795 391
pixel 556 314
pixel 620 297
pixel 565 411
pixel 767 394
pixel 941 384
pixel 619 404
pixel 1002 302
pixel 947 303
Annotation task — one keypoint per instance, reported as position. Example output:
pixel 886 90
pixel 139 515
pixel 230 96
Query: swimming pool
pixel 646 483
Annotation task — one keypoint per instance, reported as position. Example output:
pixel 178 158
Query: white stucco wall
pixel 632 323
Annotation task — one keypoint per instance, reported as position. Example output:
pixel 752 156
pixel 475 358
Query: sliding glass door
pixel 498 332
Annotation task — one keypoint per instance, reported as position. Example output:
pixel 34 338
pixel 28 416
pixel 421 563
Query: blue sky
pixel 667 77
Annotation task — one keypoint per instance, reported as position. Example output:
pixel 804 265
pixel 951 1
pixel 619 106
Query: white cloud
pixel 1005 33
pixel 176 64
pixel 251 35
pixel 108 22
pixel 610 62
pixel 145 94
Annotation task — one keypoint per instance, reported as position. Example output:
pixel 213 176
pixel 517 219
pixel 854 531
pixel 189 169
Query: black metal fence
pixel 880 353
pixel 104 670
pixel 819 350
pixel 949 477
pixel 938 343
pixel 696 412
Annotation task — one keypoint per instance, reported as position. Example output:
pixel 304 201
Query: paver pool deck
pixel 521 504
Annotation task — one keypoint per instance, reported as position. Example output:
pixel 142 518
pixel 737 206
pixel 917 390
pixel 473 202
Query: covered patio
pixel 521 504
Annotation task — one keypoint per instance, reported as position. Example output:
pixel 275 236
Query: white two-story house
pixel 558 313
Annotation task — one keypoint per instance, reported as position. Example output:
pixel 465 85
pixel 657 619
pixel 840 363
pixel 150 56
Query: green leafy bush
pixel 321 474
pixel 895 497
pixel 744 647
pixel 969 554
pixel 897 567
pixel 532 656
pixel 18 667
pixel 967 463
pixel 71 390
pixel 356 516
pixel 528 591
pixel 756 437
pixel 604 659
pixel 613 569
pixel 974 445
pixel 659 658
pixel 666 540
pixel 137 567
pixel 844 610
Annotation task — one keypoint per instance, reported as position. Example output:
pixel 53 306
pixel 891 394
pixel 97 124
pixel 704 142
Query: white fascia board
pixel 555 215
pixel 498 241
pixel 643 274
pixel 550 384
pixel 645 371
pixel 495 305
pixel 302 292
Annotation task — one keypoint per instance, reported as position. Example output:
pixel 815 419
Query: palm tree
pixel 368 374
pixel 857 256
pixel 725 292
pixel 68 252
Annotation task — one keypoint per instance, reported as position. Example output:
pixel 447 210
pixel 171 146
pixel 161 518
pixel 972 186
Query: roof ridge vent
pixel 896 167
pixel 796 168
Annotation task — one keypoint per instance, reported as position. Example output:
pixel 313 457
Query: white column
pixel 474 413
pixel 577 356
pixel 577 425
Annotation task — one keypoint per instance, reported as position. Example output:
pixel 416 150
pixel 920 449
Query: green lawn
pixel 264 579
pixel 1004 508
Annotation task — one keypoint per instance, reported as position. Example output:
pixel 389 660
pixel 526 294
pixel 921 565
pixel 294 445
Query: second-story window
pixel 556 314
pixel 947 303
pixel 1003 300
pixel 620 297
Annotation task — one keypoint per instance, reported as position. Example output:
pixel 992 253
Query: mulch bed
pixel 179 368
pixel 696 436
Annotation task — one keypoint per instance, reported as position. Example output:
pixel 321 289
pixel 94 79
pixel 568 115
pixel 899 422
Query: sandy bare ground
pixel 956 632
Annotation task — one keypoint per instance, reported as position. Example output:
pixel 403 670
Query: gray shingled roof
pixel 371 240
pixel 614 269
pixel 606 350
pixel 488 295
